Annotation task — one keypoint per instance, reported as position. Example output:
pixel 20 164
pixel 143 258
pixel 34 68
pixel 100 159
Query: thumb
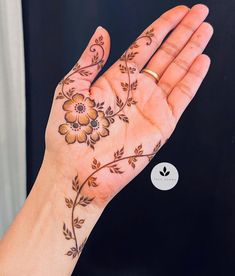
pixel 92 60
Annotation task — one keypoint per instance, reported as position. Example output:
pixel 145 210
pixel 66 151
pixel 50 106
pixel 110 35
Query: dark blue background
pixel 190 229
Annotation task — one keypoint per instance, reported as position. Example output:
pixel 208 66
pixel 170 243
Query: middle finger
pixel 178 39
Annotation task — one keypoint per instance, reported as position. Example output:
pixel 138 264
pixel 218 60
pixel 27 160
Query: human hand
pixel 126 109
pixel 101 135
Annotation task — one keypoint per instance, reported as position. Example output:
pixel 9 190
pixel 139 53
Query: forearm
pixel 36 243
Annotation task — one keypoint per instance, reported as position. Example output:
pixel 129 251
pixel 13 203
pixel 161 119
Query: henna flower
pixel 74 132
pixel 80 108
pixel 100 126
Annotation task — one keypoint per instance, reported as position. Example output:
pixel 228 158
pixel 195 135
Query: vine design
pixel 85 120
pixel 92 182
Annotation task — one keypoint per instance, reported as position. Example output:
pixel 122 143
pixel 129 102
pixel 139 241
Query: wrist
pixel 46 222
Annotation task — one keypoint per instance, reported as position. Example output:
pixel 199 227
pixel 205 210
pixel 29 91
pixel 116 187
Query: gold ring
pixel 153 74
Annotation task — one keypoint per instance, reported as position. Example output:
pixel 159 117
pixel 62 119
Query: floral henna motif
pixel 82 200
pixel 85 120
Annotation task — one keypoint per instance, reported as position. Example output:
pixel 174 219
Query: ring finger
pixel 178 39
pixel 181 64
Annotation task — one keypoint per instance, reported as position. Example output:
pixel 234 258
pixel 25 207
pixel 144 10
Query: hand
pixel 101 135
pixel 125 112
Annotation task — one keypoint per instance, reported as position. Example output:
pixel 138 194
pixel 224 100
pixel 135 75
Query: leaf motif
pixel 67 233
pixel 69 202
pixel 90 143
pixel 131 55
pixel 119 153
pixel 78 222
pixel 69 253
pixel 134 85
pixel 119 102
pixel 109 111
pixel 84 201
pixel 125 86
pixel 132 70
pixel 76 66
pixel 99 40
pixel 111 120
pixel 100 105
pixel 60 96
pixel 95 164
pixel 150 33
pixel 167 173
pixel 139 150
pixel 72 252
pixel 134 45
pixel 66 81
pixel 131 161
pixel 161 173
pixel 122 68
pixel 70 92
pixel 95 58
pixel 115 169
pixel 131 101
pixel 84 73
pixel 164 169
pixel 92 181
pixel 75 184
pixel 123 117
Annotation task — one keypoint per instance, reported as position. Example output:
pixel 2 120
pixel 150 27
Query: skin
pixel 48 214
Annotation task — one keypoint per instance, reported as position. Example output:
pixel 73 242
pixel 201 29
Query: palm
pixel 125 112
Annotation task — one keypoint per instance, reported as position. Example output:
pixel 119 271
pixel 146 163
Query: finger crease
pixel 182 64
pixel 165 86
pixel 195 73
pixel 184 89
pixel 170 49
pixel 188 27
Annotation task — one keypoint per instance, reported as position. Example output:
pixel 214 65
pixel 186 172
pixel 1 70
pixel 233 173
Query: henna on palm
pixel 86 122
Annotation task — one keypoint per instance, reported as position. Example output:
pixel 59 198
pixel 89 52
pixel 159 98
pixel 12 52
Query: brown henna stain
pixel 83 115
pixel 91 181
pixel 79 127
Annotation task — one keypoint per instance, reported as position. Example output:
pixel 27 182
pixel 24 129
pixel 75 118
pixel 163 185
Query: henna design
pixel 91 181
pixel 86 122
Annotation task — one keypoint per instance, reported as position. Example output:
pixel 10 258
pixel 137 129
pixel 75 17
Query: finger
pixel 181 64
pixel 178 39
pixel 147 43
pixel 91 61
pixel 186 89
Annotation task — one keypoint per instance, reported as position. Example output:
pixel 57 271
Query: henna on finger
pixel 85 120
